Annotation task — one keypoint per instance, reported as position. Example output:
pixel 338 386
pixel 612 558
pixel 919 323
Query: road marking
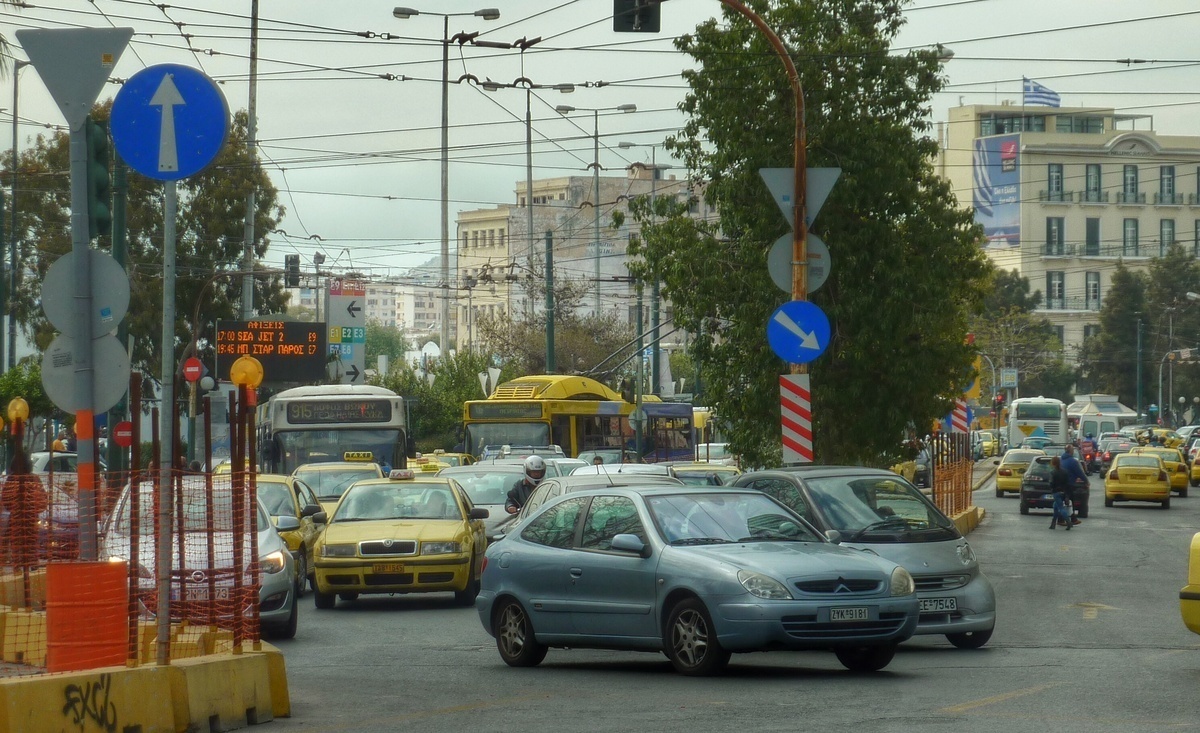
pixel 964 707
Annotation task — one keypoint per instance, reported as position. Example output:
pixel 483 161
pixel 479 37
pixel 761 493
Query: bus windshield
pixel 505 433
pixel 298 447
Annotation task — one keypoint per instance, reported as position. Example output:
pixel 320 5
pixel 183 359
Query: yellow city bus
pixel 578 414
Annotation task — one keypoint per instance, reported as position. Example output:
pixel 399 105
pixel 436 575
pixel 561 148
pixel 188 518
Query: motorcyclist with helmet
pixel 535 471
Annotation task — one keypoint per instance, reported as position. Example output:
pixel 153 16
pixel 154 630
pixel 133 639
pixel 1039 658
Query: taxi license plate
pixel 933 605
pixel 200 593
pixel 848 614
pixel 388 567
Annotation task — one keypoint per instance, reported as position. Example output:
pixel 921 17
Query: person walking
pixel 1075 475
pixel 1060 487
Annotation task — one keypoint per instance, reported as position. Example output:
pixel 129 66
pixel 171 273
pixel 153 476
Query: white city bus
pixel 1036 417
pixel 336 422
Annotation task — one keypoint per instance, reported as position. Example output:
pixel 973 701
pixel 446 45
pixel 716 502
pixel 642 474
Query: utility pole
pixel 551 367
pixel 251 202
pixel 1139 368
pixel 639 424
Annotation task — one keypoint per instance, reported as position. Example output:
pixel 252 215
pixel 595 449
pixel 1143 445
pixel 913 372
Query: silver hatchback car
pixel 877 510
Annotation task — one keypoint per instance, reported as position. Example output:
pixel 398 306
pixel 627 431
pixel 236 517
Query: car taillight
pixel 1005 472
pixel 1113 475
pixel 1107 456
pixel 1162 476
pixel 1180 468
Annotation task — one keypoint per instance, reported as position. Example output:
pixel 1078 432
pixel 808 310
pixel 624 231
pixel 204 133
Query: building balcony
pixel 1126 197
pixel 1073 303
pixel 1169 199
pixel 1056 197
pixel 1093 197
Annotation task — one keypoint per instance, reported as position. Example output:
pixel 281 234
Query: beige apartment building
pixel 1065 193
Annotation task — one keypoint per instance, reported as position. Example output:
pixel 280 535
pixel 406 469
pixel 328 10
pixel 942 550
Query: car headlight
pixel 273 563
pixel 338 550
pixel 966 555
pixel 902 582
pixel 762 586
pixel 440 548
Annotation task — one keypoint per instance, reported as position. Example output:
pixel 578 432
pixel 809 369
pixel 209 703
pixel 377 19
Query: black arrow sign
pixel 353 309
pixel 353 372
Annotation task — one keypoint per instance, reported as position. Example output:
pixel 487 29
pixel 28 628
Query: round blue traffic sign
pixel 169 121
pixel 798 332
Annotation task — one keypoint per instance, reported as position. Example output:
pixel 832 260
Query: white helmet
pixel 535 469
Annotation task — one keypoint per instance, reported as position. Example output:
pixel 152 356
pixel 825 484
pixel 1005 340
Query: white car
pixel 203 579
pixel 624 469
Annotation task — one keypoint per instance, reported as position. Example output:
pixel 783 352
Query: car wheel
pixel 514 637
pixel 866 658
pixel 1166 503
pixel 1024 508
pixel 466 596
pixel 1083 511
pixel 1108 502
pixel 970 639
pixel 690 641
pixel 301 572
pixel 287 630
pixel 1183 493
pixel 324 601
pixel 348 596
pixel 999 493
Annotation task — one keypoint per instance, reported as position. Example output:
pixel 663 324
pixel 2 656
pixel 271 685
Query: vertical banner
pixel 997 192
pixel 795 406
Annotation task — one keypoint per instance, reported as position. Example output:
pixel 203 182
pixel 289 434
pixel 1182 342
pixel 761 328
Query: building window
pixel 1196 239
pixel 1092 183
pixel 1092 243
pixel 1090 330
pixel 1129 183
pixel 1054 235
pixel 1055 289
pixel 1092 279
pixel 1166 235
pixel 1079 124
pixel 1166 184
pixel 1003 124
pixel 1060 332
pixel 1054 182
pixel 502 238
pixel 1129 241
pixel 474 239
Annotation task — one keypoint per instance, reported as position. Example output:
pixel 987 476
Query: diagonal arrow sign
pixel 353 309
pixel 167 96
pixel 353 372
pixel 807 340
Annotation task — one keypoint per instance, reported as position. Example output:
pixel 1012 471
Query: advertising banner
pixel 997 192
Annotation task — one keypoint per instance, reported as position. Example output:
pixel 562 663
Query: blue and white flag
pixel 1038 94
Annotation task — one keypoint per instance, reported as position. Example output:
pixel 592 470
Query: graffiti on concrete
pixel 90 704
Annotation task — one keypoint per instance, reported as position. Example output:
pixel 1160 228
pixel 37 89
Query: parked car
pixel 1137 478
pixel 1035 489
pixel 880 512
pixel 695 573
pixel 200 580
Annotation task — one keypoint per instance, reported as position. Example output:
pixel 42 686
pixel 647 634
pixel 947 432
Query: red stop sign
pixel 123 434
pixel 193 369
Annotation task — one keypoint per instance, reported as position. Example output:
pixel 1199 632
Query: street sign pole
pixel 167 426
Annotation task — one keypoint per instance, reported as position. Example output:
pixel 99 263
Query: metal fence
pixel 950 470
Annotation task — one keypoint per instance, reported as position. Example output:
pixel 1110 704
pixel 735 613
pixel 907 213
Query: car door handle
pixel 576 572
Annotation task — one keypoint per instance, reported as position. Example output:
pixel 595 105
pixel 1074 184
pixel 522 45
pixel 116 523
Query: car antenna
pixel 607 475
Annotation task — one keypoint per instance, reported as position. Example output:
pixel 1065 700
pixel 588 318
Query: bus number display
pixel 328 412
pixel 505 411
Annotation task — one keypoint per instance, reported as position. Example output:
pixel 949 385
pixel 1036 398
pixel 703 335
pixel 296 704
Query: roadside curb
pixel 987 477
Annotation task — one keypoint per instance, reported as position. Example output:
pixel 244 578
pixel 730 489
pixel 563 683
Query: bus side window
pixel 560 432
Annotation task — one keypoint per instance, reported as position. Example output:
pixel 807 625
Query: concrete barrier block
pixel 281 699
pixel 109 698
pixel 223 691
pixel 25 638
pixel 12 591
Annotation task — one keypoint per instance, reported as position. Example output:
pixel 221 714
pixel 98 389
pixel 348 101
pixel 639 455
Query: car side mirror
pixel 287 523
pixel 311 510
pixel 630 543
pixel 833 536
pixel 320 517
pixel 479 512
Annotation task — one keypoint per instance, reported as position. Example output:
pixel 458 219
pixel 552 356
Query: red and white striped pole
pixel 795 407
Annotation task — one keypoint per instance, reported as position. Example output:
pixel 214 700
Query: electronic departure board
pixel 290 351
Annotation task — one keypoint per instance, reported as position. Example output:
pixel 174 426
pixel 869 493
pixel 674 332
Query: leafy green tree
pixel 384 340
pixel 1010 290
pixel 908 266
pixel 1020 340
pixel 209 233
pixel 1108 360
pixel 25 381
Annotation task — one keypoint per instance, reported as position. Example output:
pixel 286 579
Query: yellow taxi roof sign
pixel 402 474
pixel 358 455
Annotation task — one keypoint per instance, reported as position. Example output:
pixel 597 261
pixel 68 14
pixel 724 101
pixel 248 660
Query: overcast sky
pixel 353 146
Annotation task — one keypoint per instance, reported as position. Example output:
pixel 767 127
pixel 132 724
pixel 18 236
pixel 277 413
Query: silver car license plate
pixel 848 614
pixel 933 605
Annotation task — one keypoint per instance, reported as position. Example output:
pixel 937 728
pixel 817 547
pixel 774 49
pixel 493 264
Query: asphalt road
pixel 1088 639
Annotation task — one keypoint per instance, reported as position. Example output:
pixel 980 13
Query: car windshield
pixel 276 498
pixel 397 500
pixel 331 484
pixel 485 487
pixel 714 518
pixel 699 477
pixel 200 510
pixel 866 505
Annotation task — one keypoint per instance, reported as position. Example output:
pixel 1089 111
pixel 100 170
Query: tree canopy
pixel 907 267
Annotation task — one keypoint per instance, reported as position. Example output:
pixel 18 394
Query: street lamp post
pixel 486 14
pixel 655 351
pixel 13 239
pixel 564 109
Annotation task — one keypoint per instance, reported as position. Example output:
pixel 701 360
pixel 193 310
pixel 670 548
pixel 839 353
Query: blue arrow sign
pixel 169 121
pixel 798 332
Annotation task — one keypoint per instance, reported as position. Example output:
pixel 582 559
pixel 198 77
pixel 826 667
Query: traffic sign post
pixel 347 331
pixel 795 407
pixel 798 332
pixel 193 369
pixel 122 434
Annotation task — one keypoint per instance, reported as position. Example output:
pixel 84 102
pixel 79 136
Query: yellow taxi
pixel 1137 477
pixel 1172 459
pixel 408 533
pixel 1189 595
pixel 705 474
pixel 1165 437
pixel 453 459
pixel 330 480
pixel 287 496
pixel 1011 468
pixel 989 443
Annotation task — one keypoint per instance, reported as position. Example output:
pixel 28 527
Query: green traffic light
pixel 99 179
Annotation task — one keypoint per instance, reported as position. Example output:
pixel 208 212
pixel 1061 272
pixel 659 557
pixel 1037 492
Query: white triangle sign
pixel 74 64
pixel 781 185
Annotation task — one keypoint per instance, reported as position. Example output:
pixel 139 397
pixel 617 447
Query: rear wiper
pixel 701 541
pixel 877 525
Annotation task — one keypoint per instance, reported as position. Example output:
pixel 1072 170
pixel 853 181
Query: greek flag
pixel 983 195
pixel 1038 94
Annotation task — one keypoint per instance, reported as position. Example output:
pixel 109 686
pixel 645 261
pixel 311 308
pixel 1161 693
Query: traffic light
pixel 998 402
pixel 99 178
pixel 291 266
pixel 636 16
